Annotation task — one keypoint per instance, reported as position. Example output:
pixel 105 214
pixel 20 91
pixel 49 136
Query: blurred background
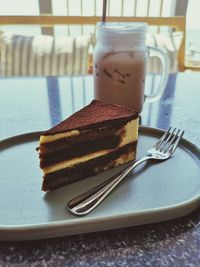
pixel 191 8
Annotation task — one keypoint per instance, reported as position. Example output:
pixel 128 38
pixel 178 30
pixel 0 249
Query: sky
pixel 193 12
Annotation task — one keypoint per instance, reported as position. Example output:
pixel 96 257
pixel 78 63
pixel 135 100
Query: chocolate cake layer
pixel 82 170
pixel 95 114
pixel 79 149
pixel 85 135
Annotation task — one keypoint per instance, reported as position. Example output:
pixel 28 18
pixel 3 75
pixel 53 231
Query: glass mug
pixel 119 67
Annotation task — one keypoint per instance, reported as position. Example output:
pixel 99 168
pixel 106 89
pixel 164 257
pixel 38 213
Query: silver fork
pixel 162 150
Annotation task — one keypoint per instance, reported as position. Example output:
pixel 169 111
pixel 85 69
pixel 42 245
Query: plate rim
pixel 28 229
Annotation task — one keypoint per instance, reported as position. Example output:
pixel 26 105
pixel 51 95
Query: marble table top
pixel 35 104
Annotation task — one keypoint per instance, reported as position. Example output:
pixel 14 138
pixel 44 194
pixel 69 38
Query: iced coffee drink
pixel 119 78
pixel 119 64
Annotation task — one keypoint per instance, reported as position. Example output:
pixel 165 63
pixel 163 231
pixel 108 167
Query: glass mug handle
pixel 165 72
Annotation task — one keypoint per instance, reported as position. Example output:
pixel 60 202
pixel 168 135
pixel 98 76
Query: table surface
pixel 36 104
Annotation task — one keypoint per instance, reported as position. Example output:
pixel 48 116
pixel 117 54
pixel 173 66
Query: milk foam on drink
pixel 119 64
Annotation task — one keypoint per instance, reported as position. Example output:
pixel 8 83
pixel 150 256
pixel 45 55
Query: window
pixel 115 8
pixel 193 33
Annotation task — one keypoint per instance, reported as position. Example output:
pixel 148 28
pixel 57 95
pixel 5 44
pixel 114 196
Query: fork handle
pixel 86 202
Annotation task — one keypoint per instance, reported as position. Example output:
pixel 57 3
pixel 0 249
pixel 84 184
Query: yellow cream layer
pixel 49 138
pixel 130 132
pixel 130 135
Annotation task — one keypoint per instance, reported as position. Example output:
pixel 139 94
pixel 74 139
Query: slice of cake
pixel 96 138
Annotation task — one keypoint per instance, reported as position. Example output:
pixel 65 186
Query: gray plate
pixel 154 192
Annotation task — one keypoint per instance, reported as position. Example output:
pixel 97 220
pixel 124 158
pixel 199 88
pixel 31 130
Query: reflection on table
pixel 35 104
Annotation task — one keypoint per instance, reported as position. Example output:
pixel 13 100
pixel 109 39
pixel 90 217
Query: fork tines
pixel 170 140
